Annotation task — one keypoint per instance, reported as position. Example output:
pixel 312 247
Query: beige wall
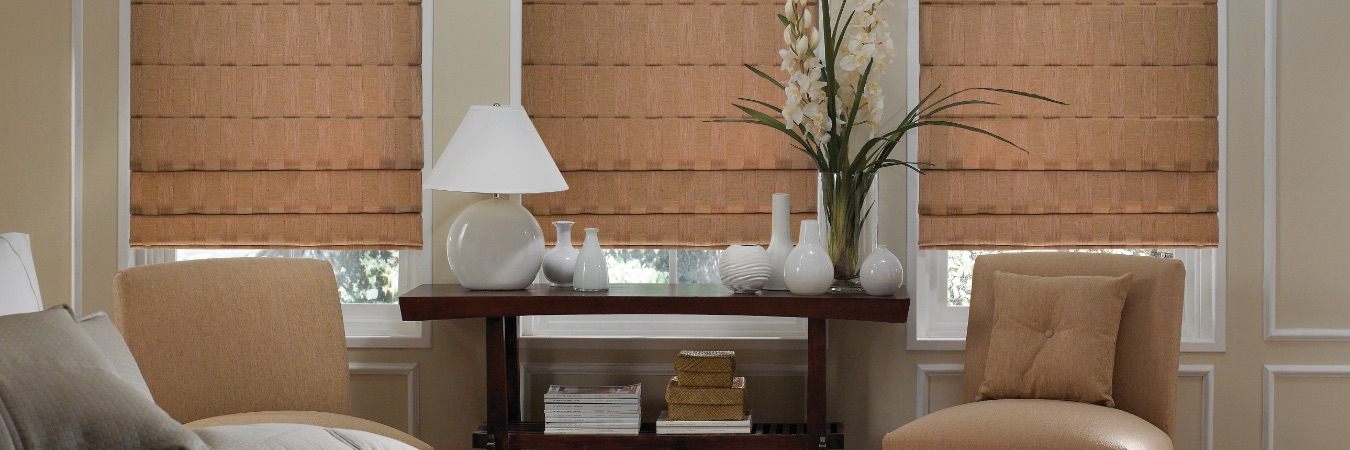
pixel 873 388
pixel 35 136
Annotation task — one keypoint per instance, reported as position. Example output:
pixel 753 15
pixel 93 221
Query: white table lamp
pixel 495 244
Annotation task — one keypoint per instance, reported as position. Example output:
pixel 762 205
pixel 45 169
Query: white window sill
pixel 381 326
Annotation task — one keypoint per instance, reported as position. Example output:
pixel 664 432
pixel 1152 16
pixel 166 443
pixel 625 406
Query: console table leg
pixel 498 400
pixel 513 368
pixel 817 341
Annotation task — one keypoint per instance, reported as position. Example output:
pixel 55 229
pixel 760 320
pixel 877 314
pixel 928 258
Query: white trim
pixel 124 253
pixel 517 61
pixel 529 370
pixel 1268 391
pixel 639 326
pixel 77 156
pixel 1204 371
pixel 414 376
pixel 1271 196
pixel 922 405
pixel 936 327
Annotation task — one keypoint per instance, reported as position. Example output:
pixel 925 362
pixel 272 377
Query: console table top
pixel 452 301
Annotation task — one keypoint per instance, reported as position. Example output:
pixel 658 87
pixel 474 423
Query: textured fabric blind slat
pixel 276 124
pixel 621 90
pixel 1132 161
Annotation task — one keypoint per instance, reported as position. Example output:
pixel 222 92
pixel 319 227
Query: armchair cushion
pixel 1017 424
pixel 1054 338
pixel 322 419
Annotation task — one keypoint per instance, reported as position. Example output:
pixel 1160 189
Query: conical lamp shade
pixel 496 150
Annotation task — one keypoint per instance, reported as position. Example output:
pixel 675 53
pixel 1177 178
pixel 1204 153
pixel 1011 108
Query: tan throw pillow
pixel 1054 338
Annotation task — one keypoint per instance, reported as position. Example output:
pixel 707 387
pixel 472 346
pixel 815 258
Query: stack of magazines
pixel 593 409
pixel 666 426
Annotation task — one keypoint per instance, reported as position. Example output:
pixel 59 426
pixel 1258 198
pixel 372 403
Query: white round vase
pixel 561 261
pixel 495 245
pixel 808 270
pixel 592 272
pixel 881 273
pixel 744 268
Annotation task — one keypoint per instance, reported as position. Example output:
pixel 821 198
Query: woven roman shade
pixel 620 91
pixel 1131 162
pixel 276 124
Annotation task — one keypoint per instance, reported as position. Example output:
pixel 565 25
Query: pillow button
pixel 1049 333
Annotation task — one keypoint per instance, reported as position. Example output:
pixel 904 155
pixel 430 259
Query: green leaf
pixel 964 102
pixel 914 112
pixel 764 75
pixel 839 42
pixel 784 19
pixel 970 128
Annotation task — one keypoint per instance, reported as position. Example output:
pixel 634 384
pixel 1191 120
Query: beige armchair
pixel 1143 384
pixel 242 341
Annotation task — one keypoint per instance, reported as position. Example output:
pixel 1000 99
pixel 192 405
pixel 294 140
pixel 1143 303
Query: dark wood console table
pixel 501 309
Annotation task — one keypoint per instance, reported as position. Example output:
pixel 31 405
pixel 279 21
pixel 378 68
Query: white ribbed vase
pixel 744 268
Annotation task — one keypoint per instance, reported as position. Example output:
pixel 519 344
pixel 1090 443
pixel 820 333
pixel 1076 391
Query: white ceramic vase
pixel 495 244
pixel 808 270
pixel 561 261
pixel 881 273
pixel 591 272
pixel 744 268
pixel 780 242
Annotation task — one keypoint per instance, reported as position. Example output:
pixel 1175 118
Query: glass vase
pixel 846 204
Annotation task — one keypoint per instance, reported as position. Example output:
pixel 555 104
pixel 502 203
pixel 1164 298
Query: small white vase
pixel 591 272
pixel 881 273
pixel 808 270
pixel 744 268
pixel 561 260
pixel 780 242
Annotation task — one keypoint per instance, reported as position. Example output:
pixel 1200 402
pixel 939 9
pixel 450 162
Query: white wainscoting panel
pixel 412 373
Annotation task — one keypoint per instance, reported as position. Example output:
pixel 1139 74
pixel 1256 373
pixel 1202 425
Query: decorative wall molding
pixel 1204 372
pixel 529 370
pixel 1268 391
pixel 413 375
pixel 921 390
pixel 1271 196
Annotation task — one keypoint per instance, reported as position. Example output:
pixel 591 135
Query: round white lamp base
pixel 495 245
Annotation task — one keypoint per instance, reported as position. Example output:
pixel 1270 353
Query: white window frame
pixel 935 325
pixel 642 330
pixel 367 325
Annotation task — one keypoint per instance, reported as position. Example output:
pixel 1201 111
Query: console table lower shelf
pixel 500 310
pixel 763 436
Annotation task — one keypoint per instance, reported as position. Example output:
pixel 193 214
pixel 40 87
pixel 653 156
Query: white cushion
pixel 293 436
pixel 18 278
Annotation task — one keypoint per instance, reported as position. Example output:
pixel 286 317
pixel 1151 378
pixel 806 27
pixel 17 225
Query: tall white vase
pixel 808 270
pixel 743 268
pixel 591 273
pixel 881 273
pixel 780 242
pixel 561 261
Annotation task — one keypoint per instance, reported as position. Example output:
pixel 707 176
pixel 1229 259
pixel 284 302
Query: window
pixel 363 276
pixel 211 176
pixel 939 280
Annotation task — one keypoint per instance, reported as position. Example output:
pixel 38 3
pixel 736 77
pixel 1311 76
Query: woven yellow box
pixel 705 361
pixel 705 368
pixel 705 403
